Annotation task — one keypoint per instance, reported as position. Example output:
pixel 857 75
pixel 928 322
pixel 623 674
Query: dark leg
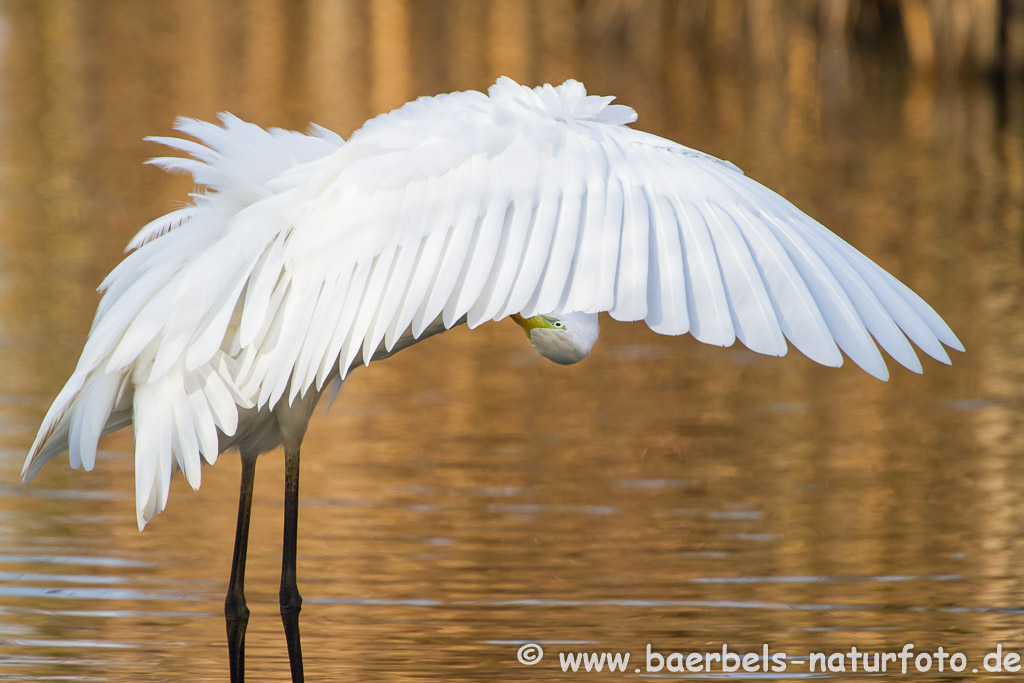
pixel 291 601
pixel 236 614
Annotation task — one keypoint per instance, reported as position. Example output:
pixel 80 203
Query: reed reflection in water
pixel 466 496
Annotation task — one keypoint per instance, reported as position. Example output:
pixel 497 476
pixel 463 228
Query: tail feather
pixel 173 418
pixel 55 434
pixel 92 410
pixel 52 438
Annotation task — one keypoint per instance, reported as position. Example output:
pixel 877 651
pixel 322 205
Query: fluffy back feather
pixel 234 163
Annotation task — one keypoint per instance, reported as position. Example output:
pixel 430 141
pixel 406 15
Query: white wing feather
pixel 307 257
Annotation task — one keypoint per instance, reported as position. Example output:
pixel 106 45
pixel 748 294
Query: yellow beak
pixel 537 321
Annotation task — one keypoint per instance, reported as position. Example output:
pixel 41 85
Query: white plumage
pixel 306 256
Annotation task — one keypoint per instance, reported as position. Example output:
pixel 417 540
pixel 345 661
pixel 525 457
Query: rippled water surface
pixel 466 497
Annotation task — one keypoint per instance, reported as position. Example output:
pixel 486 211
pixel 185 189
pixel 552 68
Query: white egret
pixel 306 256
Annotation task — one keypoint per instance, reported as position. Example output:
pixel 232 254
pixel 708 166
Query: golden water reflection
pixel 467 496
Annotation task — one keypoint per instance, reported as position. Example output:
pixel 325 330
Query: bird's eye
pixel 559 325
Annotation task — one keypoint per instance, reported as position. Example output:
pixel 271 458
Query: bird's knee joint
pixel 235 607
pixel 291 601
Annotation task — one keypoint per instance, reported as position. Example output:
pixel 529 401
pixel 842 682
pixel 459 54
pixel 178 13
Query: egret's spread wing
pixel 306 256
pixel 538 201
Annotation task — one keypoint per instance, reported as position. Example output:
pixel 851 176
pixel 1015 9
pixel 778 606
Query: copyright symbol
pixel 530 654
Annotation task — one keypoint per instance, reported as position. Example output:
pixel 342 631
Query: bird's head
pixel 564 338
